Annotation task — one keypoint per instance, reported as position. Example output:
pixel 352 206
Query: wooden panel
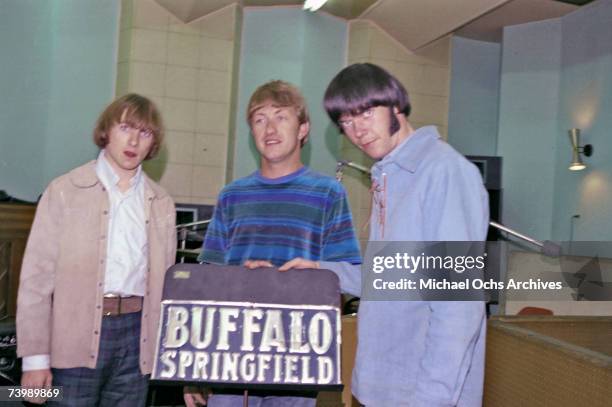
pixel 534 361
pixel 349 349
pixel 5 262
pixel 16 220
pixel 15 223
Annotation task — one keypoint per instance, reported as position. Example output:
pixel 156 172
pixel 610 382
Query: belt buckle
pixel 111 295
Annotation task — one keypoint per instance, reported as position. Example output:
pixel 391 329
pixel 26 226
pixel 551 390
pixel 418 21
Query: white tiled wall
pixel 186 69
pixel 426 77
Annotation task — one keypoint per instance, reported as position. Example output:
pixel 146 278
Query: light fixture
pixel 577 150
pixel 313 5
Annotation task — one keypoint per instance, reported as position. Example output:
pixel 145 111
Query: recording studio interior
pixel 522 88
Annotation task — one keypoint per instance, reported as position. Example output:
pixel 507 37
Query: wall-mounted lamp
pixel 577 150
pixel 313 5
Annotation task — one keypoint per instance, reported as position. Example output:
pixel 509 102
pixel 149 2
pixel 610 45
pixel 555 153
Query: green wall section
pixel 299 47
pixel 25 84
pixel 58 72
pixel 585 102
pixel 474 96
pixel 529 97
pixel 555 76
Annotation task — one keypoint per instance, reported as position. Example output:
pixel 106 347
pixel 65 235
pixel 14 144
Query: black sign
pixel 248 343
pixel 227 326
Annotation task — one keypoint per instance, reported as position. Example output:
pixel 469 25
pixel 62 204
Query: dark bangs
pixel 359 87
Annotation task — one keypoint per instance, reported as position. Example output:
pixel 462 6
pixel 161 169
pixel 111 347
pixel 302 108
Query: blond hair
pixel 135 110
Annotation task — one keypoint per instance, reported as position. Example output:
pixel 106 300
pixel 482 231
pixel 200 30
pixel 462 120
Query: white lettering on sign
pixel 220 342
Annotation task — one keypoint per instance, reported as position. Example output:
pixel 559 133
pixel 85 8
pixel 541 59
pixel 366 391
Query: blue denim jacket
pixel 421 353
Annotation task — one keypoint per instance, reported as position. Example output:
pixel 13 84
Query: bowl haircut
pixel 136 111
pixel 359 87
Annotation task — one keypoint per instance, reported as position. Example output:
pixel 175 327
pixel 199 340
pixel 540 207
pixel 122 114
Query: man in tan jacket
pixel 91 281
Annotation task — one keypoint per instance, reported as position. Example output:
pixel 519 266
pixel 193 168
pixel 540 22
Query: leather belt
pixel 117 305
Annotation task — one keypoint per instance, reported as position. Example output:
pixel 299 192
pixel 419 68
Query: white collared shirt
pixel 127 249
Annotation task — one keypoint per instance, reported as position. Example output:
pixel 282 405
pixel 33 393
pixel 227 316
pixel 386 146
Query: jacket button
pixel 98 306
pixel 92 356
pixel 102 237
pixel 95 332
pixel 102 261
pixel 105 212
pixel 147 221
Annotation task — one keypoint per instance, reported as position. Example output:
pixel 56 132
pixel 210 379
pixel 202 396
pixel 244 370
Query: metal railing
pixel 189 232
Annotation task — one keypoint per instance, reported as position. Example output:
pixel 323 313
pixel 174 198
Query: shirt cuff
pixel 35 362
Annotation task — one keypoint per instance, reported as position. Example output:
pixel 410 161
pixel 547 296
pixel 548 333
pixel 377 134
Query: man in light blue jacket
pixel 410 353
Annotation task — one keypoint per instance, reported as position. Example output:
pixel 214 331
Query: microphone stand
pixel 546 247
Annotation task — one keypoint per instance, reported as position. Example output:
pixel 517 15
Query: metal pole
pixel 517 234
pixel 548 248
pixel 200 222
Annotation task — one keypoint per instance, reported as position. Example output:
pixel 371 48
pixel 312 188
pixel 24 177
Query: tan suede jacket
pixel 61 288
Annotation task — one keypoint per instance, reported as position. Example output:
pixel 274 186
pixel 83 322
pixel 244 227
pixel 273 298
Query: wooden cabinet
pixel 15 223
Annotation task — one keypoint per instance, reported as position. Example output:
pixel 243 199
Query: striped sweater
pixel 303 214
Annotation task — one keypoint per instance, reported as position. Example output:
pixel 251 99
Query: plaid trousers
pixel 116 381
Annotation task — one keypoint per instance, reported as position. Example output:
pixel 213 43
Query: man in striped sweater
pixel 281 211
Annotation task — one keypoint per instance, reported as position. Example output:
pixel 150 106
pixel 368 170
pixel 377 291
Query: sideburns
pixel 394 123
